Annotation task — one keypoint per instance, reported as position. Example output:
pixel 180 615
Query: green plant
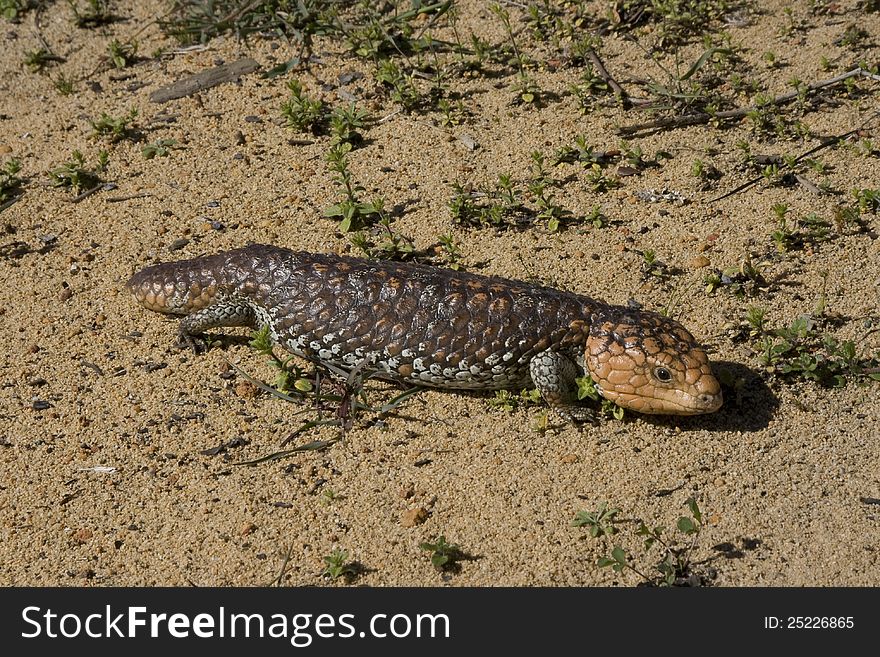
pixel 401 83
pixel 746 279
pixel 122 55
pixel 353 213
pixel 114 128
pixel 37 60
pixel 75 175
pixel 598 181
pixel 338 565
pixel 587 390
pixel 301 112
pixel 673 568
pixel 508 401
pixel 197 21
pixel 600 522
pixel 159 148
pixel 346 124
pixel 63 85
pixel 451 251
pixel 288 376
pixel 444 556
pixel 596 218
pixel 526 91
pixel 453 114
pixel 9 181
pixel 651 266
pixel 800 350
pixel 547 209
pixel 12 10
pixel 95 13
pixel 394 245
pixel 589 87
pixel 329 496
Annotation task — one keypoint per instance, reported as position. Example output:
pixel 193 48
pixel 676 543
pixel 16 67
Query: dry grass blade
pixel 315 445
pixel 267 388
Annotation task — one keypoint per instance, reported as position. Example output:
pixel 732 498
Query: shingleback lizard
pixel 436 327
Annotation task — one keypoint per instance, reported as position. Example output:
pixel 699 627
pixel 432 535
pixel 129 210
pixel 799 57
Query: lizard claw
pixel 188 341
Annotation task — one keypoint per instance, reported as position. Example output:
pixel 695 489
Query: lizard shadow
pixel 749 404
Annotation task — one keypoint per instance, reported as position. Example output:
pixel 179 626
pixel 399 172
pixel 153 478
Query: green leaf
pixel 697 65
pixel 695 509
pixel 281 69
pixel 686 525
pixel 619 555
pixel 303 385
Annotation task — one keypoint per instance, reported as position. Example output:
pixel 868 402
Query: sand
pixel 104 425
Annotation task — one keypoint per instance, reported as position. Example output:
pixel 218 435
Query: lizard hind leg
pixel 231 311
pixel 554 374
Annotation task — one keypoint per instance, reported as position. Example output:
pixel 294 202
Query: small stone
pixel 81 536
pixel 699 262
pixel 246 390
pixel 407 491
pixel 248 529
pixel 569 458
pixel 4 149
pixel 65 294
pixel 413 517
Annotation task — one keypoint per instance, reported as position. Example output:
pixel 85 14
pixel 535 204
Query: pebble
pixel 81 536
pixel 246 390
pixel 413 517
pixel 699 262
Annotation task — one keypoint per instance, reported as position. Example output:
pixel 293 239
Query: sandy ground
pixel 108 482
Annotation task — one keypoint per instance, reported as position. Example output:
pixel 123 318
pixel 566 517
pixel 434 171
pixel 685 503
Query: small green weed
pixel 444 556
pixel 451 253
pixel 10 183
pixel 599 523
pixel 12 10
pixel 393 245
pixel 338 565
pixel 801 351
pixel 353 213
pixel 64 85
pixel 509 401
pixel 159 148
pixel 76 175
pixel 587 390
pixel 747 279
pixel 94 14
pixel 289 377
pixel 37 60
pixel 674 567
pixel 346 124
pixel 301 112
pixel 122 54
pixel 115 129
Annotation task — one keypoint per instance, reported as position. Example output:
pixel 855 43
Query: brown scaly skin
pixel 435 327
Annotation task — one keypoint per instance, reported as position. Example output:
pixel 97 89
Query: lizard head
pixel 650 364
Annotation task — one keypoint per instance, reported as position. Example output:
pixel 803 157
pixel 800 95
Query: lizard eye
pixel 662 374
